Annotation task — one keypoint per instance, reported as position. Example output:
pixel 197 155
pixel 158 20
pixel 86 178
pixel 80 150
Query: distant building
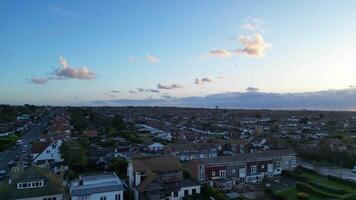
pixel 105 186
pixel 192 151
pixel 34 183
pixel 152 178
pixel 90 133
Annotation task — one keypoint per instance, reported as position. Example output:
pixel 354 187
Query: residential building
pixel 192 151
pixel 152 178
pixel 33 184
pixel 225 171
pixel 105 186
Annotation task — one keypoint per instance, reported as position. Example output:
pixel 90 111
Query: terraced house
pixel 225 171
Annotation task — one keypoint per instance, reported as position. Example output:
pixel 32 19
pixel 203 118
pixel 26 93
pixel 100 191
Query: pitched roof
pixel 38 147
pixel 156 164
pixel 52 185
pixel 246 156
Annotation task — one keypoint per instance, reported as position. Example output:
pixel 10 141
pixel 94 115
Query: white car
pixel 354 169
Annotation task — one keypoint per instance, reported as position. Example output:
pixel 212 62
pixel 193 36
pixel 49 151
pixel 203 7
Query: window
pixel 222 173
pixel 253 169
pixel 103 198
pixel 201 168
pixel 186 192
pixel 262 166
pixel 233 171
pixel 117 197
pixel 201 176
pixel 175 194
pixel 213 173
pixel 194 191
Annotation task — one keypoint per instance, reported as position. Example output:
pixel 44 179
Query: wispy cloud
pixel 168 87
pixel 344 99
pixel 220 53
pixel 132 59
pixel 252 89
pixel 38 81
pixel 145 90
pixel 252 24
pixel 151 59
pixel 132 92
pixel 203 80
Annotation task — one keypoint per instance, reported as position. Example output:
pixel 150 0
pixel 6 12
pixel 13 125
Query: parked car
pixel 2 174
pixel 354 169
pixel 18 142
pixel 11 163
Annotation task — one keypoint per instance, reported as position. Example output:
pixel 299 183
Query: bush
pixel 308 188
pixel 212 192
pixel 278 197
pixel 297 176
pixel 302 195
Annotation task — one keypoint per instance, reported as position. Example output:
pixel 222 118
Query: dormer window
pixel 28 185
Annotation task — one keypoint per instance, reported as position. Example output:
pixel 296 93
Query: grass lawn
pixel 325 181
pixel 291 194
pixel 7 141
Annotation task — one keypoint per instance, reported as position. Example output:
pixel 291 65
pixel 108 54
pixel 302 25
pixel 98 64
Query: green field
pixel 319 187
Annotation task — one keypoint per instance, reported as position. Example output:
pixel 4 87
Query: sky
pixel 79 52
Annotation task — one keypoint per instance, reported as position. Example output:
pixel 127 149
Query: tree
pixel 119 166
pixel 118 123
pixel 73 154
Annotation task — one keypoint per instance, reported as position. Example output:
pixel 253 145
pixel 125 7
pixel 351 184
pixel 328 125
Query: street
pixel 343 173
pixel 29 136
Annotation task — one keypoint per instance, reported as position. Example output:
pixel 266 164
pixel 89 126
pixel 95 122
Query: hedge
pixel 333 178
pixel 329 189
pixel 297 176
pixel 308 188
pixel 278 197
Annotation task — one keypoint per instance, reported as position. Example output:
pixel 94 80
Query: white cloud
pixel 151 59
pixel 253 46
pixel 169 87
pixel 65 71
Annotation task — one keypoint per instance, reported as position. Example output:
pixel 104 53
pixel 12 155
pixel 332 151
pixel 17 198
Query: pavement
pixel 339 172
pixel 30 135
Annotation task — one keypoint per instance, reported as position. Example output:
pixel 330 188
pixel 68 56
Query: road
pixel 343 173
pixel 29 136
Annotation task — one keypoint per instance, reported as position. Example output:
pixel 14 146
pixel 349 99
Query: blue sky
pixel 126 45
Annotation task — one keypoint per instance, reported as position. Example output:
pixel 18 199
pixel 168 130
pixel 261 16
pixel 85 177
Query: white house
pixel 105 186
pixel 155 147
pixel 46 151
